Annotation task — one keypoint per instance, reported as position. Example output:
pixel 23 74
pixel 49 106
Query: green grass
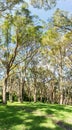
pixel 35 116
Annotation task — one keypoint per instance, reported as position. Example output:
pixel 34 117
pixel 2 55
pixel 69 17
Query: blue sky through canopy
pixel 65 5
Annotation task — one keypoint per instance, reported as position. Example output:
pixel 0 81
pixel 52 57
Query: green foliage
pixel 62 20
pixel 21 40
pixel 50 37
pixel 8 5
pixel 46 4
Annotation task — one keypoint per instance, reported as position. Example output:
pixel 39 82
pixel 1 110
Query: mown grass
pixel 35 116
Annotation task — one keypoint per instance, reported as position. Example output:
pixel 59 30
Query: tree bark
pixel 20 98
pixel 61 98
pixel 61 78
pixel 4 91
pixel 23 83
pixel 35 98
pixel 10 97
pixel 35 89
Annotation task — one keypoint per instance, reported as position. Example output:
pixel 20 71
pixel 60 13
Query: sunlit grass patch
pixel 35 116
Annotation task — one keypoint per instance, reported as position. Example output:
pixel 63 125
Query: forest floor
pixel 35 116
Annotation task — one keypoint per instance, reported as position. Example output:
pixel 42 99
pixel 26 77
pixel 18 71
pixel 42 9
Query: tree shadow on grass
pixel 64 125
pixel 15 115
pixel 55 106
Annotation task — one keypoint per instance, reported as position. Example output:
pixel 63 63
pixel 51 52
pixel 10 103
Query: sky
pixel 65 5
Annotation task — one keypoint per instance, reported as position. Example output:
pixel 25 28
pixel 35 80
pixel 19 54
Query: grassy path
pixel 35 116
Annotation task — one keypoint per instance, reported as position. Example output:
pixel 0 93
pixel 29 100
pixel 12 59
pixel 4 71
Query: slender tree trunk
pixel 10 91
pixel 20 92
pixel 10 97
pixel 35 90
pixel 23 83
pixel 35 98
pixel 61 98
pixel 41 98
pixel 40 95
pixel 4 91
pixel 60 86
pixel 52 92
pixel 60 78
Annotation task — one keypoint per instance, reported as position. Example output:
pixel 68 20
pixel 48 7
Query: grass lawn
pixel 35 116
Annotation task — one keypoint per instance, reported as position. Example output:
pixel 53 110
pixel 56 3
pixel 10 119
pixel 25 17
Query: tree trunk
pixel 35 98
pixel 20 96
pixel 61 79
pixel 52 92
pixel 10 97
pixel 41 95
pixel 61 98
pixel 41 98
pixel 35 90
pixel 4 91
pixel 20 92
pixel 61 89
pixel 23 83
